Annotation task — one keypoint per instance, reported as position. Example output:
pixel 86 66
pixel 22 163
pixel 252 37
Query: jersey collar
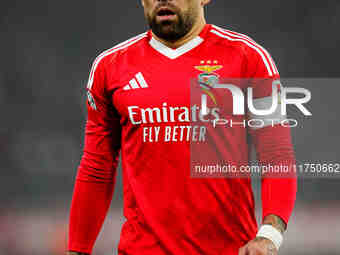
pixel 175 53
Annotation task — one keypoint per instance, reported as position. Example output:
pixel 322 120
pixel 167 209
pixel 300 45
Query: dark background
pixel 46 51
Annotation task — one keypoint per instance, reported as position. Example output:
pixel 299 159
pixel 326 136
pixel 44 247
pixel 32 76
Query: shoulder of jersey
pixel 128 44
pixel 228 36
pixel 112 52
pixel 244 43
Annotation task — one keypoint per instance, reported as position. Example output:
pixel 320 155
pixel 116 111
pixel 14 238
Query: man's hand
pixel 261 245
pixel 258 246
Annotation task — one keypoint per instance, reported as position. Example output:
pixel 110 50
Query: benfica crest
pixel 208 78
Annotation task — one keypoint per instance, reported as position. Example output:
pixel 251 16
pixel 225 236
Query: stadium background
pixel 46 51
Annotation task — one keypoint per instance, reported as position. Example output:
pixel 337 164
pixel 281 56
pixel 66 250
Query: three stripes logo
pixel 136 83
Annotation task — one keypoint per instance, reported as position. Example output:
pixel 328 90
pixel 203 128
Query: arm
pixel 273 147
pixel 278 192
pixel 94 183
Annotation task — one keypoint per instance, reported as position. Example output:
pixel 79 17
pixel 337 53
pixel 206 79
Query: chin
pixel 168 31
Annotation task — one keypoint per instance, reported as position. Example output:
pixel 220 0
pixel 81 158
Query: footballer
pixel 138 102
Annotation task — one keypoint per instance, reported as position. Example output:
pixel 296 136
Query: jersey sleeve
pixel 102 131
pixel 95 178
pixel 272 140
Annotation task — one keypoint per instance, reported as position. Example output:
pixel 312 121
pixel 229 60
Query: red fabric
pixel 167 211
pixel 274 147
pixel 96 174
pixel 90 203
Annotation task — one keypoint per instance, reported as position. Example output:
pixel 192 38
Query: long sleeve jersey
pixel 140 106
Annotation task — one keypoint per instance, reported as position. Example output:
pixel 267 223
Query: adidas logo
pixel 136 83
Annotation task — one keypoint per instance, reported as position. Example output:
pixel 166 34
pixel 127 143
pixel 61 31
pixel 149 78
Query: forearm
pixel 274 148
pixel 90 204
pixel 276 222
pixel 278 198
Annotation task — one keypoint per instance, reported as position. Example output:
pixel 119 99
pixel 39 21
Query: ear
pixel 205 2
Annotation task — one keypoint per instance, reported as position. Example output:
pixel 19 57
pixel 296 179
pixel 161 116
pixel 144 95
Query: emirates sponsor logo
pixel 167 113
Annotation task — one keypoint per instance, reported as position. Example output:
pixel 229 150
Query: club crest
pixel 208 78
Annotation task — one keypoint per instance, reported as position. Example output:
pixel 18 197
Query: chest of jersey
pixel 152 88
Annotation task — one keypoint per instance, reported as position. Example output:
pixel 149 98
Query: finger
pixel 242 251
pixel 254 251
pixel 251 251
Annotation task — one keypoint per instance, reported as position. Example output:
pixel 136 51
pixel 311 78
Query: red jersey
pixel 139 106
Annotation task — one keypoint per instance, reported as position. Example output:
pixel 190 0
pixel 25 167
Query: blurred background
pixel 46 51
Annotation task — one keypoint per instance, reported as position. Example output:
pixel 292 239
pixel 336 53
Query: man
pixel 139 106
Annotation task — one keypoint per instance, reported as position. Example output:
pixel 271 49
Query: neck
pixel 195 31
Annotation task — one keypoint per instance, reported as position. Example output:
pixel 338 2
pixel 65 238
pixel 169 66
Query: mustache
pixel 166 4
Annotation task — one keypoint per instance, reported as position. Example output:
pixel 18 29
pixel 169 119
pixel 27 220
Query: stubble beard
pixel 173 30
